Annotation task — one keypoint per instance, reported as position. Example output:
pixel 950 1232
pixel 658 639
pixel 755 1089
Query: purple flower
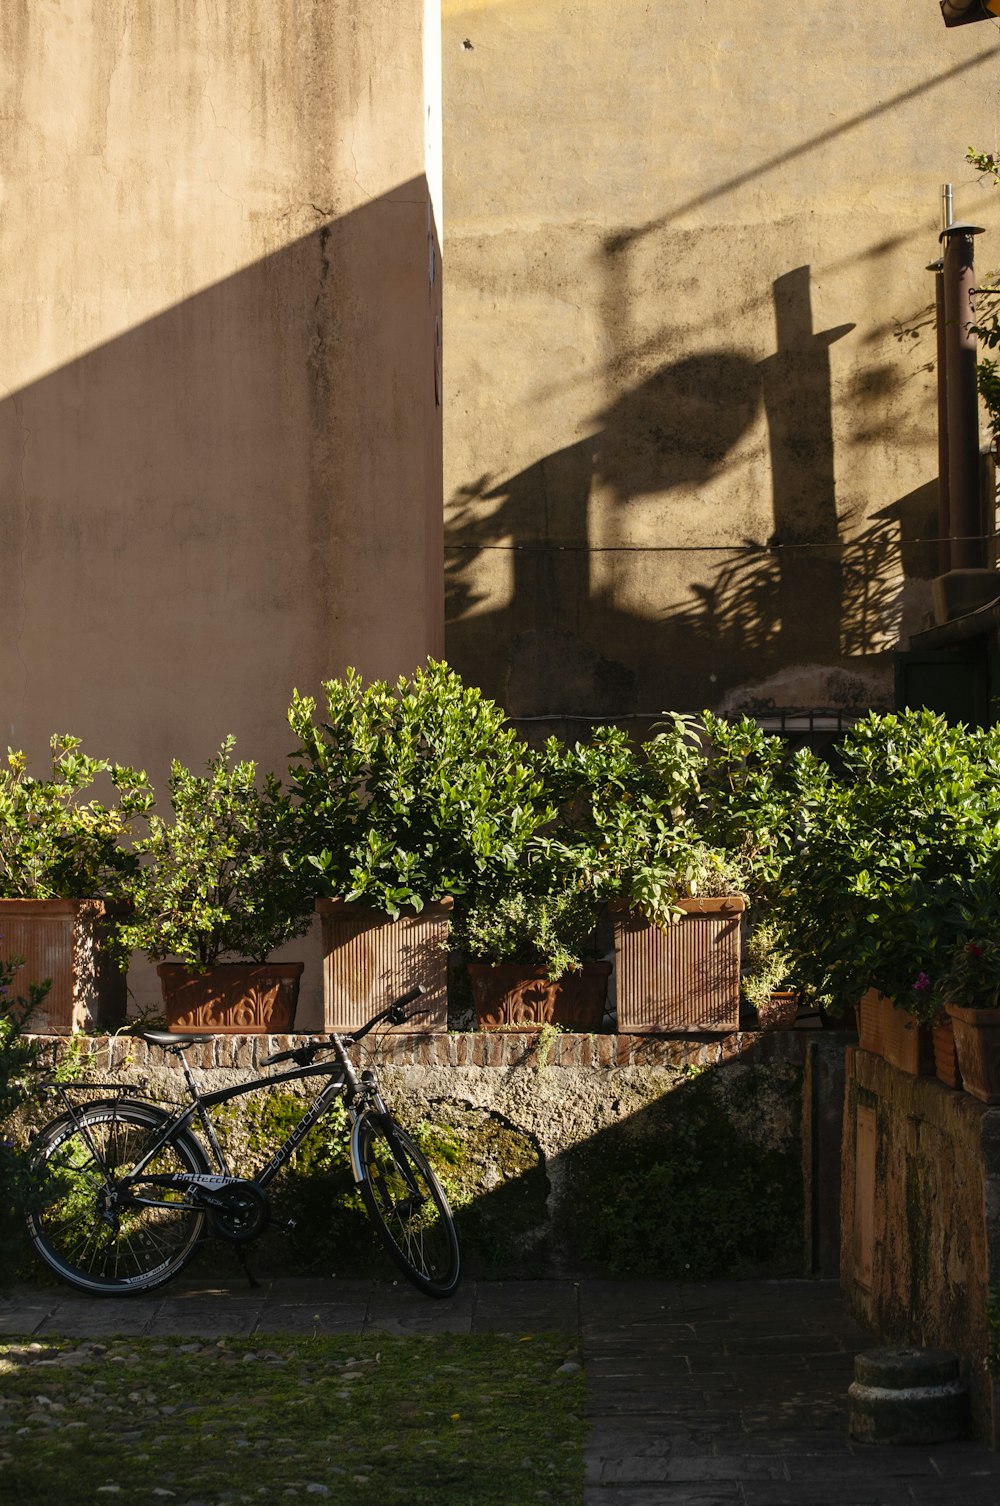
pixel 922 984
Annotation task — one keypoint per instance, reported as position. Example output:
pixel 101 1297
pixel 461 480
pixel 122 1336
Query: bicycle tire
pixel 143 1247
pixel 421 1239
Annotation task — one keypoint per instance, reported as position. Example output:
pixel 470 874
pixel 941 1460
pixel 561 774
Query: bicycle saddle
pixel 173 1037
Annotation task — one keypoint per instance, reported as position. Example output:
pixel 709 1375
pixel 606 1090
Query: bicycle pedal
pixel 287 1227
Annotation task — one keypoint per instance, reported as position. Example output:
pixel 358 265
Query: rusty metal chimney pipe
pixel 967 551
pixel 944 493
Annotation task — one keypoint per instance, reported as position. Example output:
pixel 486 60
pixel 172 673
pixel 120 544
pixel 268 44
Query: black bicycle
pixel 128 1190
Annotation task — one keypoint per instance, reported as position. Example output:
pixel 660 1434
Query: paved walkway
pixel 726 1394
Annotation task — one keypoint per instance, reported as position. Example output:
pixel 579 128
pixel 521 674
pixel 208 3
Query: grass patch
pixel 453 1420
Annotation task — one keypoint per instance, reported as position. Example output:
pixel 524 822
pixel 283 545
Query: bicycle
pixel 128 1190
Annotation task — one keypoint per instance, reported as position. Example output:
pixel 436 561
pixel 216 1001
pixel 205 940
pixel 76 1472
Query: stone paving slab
pixel 727 1394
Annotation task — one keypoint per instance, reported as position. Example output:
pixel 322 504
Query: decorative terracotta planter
pixel 61 939
pixel 233 998
pixel 510 993
pixel 977 1041
pixel 891 1033
pixel 779 1011
pixel 946 1053
pixel 369 959
pixel 684 978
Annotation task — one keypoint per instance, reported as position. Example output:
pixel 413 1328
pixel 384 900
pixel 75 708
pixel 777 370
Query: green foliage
pixel 886 852
pixel 770 959
pixel 624 828
pixel 55 845
pixel 410 792
pixel 443 1420
pixel 705 1182
pixel 214 882
pixel 19 1063
pixel 555 929
pixel 752 793
pixel 970 976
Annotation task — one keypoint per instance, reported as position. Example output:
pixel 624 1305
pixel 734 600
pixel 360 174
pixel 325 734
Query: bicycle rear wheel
pixel 75 1224
pixel 406 1203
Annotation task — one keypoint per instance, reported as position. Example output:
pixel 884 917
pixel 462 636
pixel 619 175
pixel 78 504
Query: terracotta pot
pixel 683 978
pixel 977 1042
pixel 233 998
pixel 946 1053
pixel 369 959
pixel 511 993
pixel 779 1011
pixel 891 1033
pixel 61 939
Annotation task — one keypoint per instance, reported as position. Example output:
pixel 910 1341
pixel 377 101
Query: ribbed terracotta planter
pixel 512 994
pixel 891 1033
pixel 233 998
pixel 61 939
pixel 684 978
pixel 369 959
pixel 977 1041
pixel 779 1011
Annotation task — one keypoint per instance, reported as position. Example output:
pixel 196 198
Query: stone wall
pixel 921 1217
pixel 562 1154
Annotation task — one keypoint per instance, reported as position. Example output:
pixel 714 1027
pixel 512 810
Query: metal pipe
pixel 967 550
pixel 959 12
pixel 944 489
pixel 947 206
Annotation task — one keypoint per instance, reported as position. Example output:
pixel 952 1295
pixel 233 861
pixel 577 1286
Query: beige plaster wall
pixel 220 420
pixel 687 310
pixel 220 411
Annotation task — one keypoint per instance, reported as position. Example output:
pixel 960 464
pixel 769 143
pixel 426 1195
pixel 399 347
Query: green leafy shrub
pixel 625 828
pixel 554 930
pixel 19 1061
pixel 886 854
pixel 752 790
pixel 214 881
pixel 410 792
pixel 53 843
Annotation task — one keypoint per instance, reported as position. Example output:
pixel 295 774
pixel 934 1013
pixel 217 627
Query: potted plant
pixel 63 868
pixel 533 960
pixel 767 984
pixel 625 830
pixel 883 851
pixel 408 796
pixel 213 883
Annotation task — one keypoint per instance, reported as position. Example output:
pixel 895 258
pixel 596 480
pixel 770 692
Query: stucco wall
pixel 920 1237
pixel 687 310
pixel 220 420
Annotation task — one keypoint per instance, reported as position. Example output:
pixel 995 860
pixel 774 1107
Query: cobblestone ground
pixel 724 1394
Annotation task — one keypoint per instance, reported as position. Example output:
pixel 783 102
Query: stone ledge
pixel 491 1049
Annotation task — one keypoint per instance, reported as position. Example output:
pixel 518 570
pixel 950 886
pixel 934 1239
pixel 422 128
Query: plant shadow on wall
pixel 818 590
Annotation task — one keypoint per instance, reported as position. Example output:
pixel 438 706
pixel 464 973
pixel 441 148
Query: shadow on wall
pixel 810 592
pixel 189 510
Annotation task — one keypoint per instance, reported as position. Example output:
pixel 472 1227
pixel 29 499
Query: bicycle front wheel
pixel 406 1203
pixel 84 1229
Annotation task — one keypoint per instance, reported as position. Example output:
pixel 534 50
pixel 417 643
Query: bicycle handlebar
pixel 395 1013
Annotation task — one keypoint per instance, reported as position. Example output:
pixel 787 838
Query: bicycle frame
pixel 344 1081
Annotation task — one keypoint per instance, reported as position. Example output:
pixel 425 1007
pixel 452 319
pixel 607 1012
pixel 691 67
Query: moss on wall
pixel 704 1181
